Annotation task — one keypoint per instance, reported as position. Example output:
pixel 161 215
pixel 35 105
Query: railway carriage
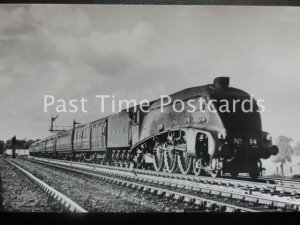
pixel 64 142
pixel 37 148
pixel 199 141
pixel 99 138
pixel 50 145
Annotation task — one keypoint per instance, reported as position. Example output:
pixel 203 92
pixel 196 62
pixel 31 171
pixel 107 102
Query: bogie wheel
pixel 170 159
pixel 158 159
pixel 116 159
pixel 121 160
pixel 184 163
pixel 126 159
pixel 197 167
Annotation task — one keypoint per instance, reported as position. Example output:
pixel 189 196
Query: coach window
pixel 94 132
pixel 86 132
pixel 98 130
pixel 99 133
pixel 103 128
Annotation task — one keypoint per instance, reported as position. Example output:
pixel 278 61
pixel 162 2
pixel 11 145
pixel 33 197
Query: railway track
pixel 288 183
pixel 65 202
pixel 267 185
pixel 147 186
pixel 184 184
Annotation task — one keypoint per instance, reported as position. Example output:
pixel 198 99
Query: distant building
pixel 289 168
pixel 18 152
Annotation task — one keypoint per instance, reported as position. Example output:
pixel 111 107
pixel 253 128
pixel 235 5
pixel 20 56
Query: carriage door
pixel 135 126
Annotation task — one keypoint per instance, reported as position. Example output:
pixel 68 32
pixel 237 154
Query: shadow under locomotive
pixel 201 141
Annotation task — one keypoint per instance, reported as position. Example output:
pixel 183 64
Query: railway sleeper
pixel 189 188
pixel 206 191
pixel 266 202
pixel 282 205
pixel 180 186
pixel 153 191
pixel 160 193
pixel 169 194
pixel 173 185
pixel 200 203
pixel 251 199
pixel 238 197
pixel 146 189
pixel 188 200
pixel 161 182
pixel 178 197
pixel 196 189
pixel 214 192
pixel 226 194
pixel 155 182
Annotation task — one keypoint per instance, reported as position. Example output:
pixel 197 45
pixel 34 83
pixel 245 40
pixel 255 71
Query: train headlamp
pixel 269 137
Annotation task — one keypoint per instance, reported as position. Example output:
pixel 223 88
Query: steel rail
pixel 278 180
pixel 64 200
pixel 188 198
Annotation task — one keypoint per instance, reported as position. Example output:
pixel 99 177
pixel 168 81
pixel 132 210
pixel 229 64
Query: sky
pixel 142 52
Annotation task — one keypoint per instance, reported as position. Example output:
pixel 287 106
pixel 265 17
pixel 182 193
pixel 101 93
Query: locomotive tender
pixel 202 141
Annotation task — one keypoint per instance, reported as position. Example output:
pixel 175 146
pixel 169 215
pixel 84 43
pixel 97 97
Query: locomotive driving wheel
pixel 184 162
pixel 170 159
pixel 158 159
pixel 198 167
pixel 214 171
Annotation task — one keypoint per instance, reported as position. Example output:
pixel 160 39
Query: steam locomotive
pixel 200 142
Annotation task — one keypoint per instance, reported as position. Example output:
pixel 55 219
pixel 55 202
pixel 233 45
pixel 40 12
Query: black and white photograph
pixel 111 108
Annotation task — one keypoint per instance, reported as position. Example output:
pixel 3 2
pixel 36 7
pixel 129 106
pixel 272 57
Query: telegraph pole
pixel 73 132
pixel 74 124
pixel 13 146
pixel 52 122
